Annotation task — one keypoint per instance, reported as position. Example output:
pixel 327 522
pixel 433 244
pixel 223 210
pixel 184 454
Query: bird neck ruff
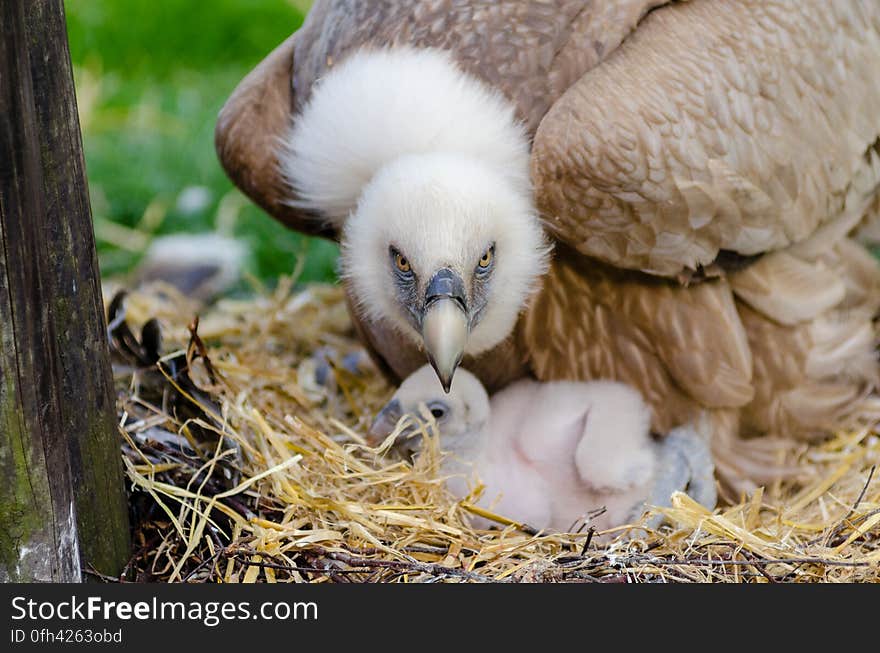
pixel 379 105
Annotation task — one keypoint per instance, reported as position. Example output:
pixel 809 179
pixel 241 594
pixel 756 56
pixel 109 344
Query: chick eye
pixel 438 410
pixel 488 256
pixel 402 263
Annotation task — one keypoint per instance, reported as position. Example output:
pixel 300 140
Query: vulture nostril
pixel 445 284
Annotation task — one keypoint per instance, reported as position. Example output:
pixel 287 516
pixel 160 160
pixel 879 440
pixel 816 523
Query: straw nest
pixel 246 460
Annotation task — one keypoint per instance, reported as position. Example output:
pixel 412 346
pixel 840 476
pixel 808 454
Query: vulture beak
pixel 385 422
pixel 445 324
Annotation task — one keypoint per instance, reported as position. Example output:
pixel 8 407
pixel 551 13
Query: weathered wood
pixel 62 497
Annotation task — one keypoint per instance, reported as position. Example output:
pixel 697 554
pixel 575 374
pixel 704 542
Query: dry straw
pixel 264 476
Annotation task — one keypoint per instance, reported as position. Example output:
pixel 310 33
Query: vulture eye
pixel 401 262
pixel 487 258
pixel 438 410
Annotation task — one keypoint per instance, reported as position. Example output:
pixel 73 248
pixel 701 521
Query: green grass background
pixel 151 77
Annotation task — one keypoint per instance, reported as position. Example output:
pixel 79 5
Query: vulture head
pixel 460 412
pixel 430 190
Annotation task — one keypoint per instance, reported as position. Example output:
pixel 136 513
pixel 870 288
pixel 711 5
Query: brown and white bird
pixel 696 166
pixel 556 455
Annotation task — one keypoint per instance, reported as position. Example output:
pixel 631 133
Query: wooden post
pixel 62 498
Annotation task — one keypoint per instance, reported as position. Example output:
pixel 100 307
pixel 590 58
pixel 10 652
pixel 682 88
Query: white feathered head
pixel 425 171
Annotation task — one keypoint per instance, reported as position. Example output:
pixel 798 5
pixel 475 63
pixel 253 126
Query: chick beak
pixel 445 324
pixel 385 422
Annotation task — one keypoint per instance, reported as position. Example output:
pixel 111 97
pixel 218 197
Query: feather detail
pixel 352 126
pixel 810 377
pixel 742 125
pixel 788 289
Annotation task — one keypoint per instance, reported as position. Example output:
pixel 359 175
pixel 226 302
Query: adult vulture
pixel 697 168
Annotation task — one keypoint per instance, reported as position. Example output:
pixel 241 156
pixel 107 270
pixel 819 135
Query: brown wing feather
pixel 788 289
pixel 810 376
pixel 682 347
pixel 531 51
pixel 719 124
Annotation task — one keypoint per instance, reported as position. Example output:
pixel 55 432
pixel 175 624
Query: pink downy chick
pixel 554 455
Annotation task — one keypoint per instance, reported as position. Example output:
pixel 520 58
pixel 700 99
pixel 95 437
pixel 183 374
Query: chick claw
pixel 684 464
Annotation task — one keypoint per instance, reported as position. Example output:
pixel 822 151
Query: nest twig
pixel 245 453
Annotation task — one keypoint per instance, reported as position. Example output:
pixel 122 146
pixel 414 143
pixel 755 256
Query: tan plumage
pixel 810 373
pixel 683 144
pixel 741 126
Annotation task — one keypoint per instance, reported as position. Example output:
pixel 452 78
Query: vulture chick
pixel 696 166
pixel 554 455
